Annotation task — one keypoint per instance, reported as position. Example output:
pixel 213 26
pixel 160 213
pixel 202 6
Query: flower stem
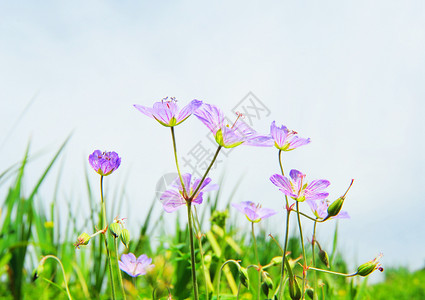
pixel 219 274
pixel 63 272
pixel 282 274
pixel 207 171
pixel 118 268
pixel 303 248
pixel 258 260
pixel 313 242
pixel 177 161
pixel 105 236
pixel 332 272
pixel 192 251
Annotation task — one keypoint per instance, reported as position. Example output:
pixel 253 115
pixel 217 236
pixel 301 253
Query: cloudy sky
pixel 350 75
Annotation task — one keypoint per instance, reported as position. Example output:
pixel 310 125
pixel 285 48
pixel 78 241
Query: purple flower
pixel 167 112
pixel 320 210
pixel 172 199
pixel 285 139
pixel 298 189
pixel 226 135
pixel 104 163
pixel 254 212
pixel 135 267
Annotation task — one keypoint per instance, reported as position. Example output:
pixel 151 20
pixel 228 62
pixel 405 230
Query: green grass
pixel 30 230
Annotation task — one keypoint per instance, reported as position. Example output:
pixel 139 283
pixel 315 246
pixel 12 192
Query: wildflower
pixel 167 113
pixel 285 139
pixel 82 240
pixel 299 190
pixel 172 199
pixel 320 209
pixel 135 267
pixel 104 163
pixel 254 212
pixel 367 268
pixel 226 135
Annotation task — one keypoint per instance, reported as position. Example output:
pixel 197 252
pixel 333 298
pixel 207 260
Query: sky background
pixel 350 75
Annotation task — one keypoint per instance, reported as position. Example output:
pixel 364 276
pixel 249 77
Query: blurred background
pixel 348 75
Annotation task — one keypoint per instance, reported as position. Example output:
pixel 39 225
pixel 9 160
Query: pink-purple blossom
pixel 135 267
pixel 229 135
pixel 285 139
pixel 320 210
pixel 254 212
pixel 104 163
pixel 174 198
pixel 298 189
pixel 167 112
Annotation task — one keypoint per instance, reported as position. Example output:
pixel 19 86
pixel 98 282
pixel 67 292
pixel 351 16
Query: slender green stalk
pixel 118 268
pixel 303 248
pixel 177 161
pixel 313 243
pixel 63 272
pixel 332 272
pixel 199 238
pixel 192 251
pixel 258 260
pixel 105 236
pixel 219 274
pixel 207 171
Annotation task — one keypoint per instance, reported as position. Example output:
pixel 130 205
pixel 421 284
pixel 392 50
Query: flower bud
pixel 310 292
pixel 276 261
pixel 115 229
pixel 294 288
pixel 367 268
pixel 38 271
pixel 267 285
pixel 82 240
pixel 324 257
pixel 335 207
pixel 125 237
pixel 243 277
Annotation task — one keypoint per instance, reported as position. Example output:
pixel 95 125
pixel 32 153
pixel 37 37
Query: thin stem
pixel 282 274
pixel 219 274
pixel 199 237
pixel 192 250
pixel 206 172
pixel 105 236
pixel 258 260
pixel 177 161
pixel 303 248
pixel 313 242
pixel 63 272
pixel 118 268
pixel 332 272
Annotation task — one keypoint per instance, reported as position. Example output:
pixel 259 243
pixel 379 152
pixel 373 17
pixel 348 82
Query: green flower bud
pixel 310 292
pixel 82 240
pixel 115 229
pixel 276 261
pixel 125 237
pixel 367 268
pixel 267 285
pixel 243 277
pixel 335 207
pixel 38 270
pixel 294 288
pixel 324 257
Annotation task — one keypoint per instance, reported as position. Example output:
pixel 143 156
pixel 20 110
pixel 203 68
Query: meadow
pixel 207 256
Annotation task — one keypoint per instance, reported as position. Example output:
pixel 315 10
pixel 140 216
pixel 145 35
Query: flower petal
pixel 171 200
pixel 188 110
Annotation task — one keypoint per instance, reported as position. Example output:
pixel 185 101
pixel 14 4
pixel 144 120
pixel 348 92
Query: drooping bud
pixel 336 206
pixel 267 285
pixel 115 229
pixel 294 288
pixel 367 268
pixel 125 237
pixel 38 271
pixel 324 257
pixel 243 277
pixel 82 240
pixel 310 292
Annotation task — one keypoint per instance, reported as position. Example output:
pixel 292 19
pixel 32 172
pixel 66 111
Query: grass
pixel 29 231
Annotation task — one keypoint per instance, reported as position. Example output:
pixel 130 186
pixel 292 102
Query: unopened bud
pixel 243 277
pixel 38 271
pixel 310 292
pixel 294 288
pixel 267 285
pixel 276 261
pixel 82 240
pixel 125 237
pixel 115 229
pixel 335 207
pixel 324 257
pixel 367 268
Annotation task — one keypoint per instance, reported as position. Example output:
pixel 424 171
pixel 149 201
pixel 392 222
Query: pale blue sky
pixel 349 75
